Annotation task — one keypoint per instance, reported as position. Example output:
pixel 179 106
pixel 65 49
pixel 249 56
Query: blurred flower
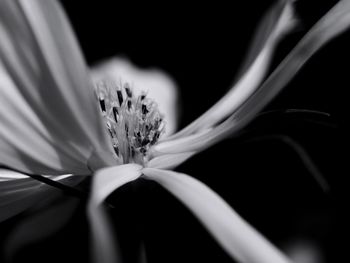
pixel 304 251
pixel 51 124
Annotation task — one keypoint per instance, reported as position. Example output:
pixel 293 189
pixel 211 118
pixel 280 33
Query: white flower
pixel 51 124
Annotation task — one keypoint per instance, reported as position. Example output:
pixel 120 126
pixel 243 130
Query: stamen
pixel 134 122
pixel 115 114
pixel 120 97
pixel 144 109
pixel 103 105
pixel 128 90
pixel 116 150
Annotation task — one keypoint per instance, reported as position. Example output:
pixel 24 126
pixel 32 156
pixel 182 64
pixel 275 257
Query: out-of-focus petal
pixel 283 20
pixel 13 203
pixel 18 192
pixel 39 224
pixel 304 251
pixel 241 241
pixel 105 182
pixel 335 22
pixel 263 32
pixel 50 122
pixel 158 85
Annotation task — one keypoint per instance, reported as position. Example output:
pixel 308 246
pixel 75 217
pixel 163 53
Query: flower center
pixel 134 122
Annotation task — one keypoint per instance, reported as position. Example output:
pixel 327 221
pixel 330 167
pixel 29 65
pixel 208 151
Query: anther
pixel 120 97
pixel 115 114
pixel 145 142
pixel 155 137
pixel 116 150
pixel 127 90
pixel 110 132
pixel 143 150
pixel 102 105
pixel 144 109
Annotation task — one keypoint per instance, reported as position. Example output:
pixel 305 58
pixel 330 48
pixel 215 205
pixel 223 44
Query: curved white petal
pixel 158 85
pixel 191 143
pixel 169 161
pixel 50 121
pixel 335 22
pixel 240 240
pixel 105 182
pixel 283 20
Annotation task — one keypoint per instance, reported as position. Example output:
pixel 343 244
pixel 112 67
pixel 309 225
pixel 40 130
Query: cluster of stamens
pixel 133 122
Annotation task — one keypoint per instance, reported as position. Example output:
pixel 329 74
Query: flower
pixel 51 124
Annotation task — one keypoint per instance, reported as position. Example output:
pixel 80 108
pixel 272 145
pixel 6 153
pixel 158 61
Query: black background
pixel 201 47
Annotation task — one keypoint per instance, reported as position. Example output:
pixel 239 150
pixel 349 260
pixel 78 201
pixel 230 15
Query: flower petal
pixel 16 201
pixel 169 161
pixel 241 241
pixel 335 22
pixel 18 192
pixel 105 182
pixel 46 94
pixel 158 85
pixel 38 224
pixel 190 143
pixel 305 251
pixel 283 20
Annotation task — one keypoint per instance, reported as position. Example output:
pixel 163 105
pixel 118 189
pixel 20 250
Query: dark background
pixel 263 178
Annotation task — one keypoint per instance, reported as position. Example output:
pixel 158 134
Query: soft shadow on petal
pixel 158 85
pixel 13 203
pixel 335 22
pixel 18 192
pixel 241 241
pixel 39 223
pixel 25 141
pixel 282 17
pixel 49 94
pixel 105 182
